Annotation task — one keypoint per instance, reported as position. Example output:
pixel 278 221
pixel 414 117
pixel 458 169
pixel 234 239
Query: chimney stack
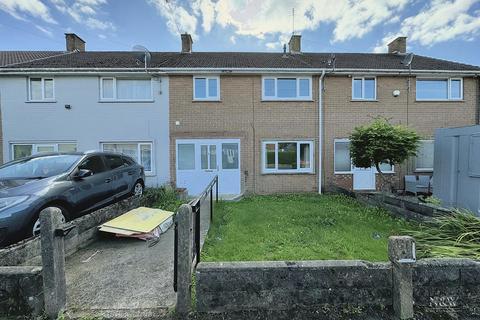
pixel 74 42
pixel 186 43
pixel 399 45
pixel 295 44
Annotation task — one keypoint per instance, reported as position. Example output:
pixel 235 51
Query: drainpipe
pixel 320 130
pixel 478 100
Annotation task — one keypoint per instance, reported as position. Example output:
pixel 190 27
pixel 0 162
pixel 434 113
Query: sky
pixel 447 29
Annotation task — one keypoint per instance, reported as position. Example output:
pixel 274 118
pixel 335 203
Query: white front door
pixel 364 179
pixel 200 160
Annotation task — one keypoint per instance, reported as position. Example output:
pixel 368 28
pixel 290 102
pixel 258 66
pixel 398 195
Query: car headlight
pixel 11 201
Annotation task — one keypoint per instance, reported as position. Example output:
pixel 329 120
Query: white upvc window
pixel 439 89
pixel 206 88
pixel 20 150
pixel 286 88
pixel 142 152
pixel 343 162
pixel 41 89
pixel 364 88
pixel 287 157
pixel 341 156
pixel 424 158
pixel 126 89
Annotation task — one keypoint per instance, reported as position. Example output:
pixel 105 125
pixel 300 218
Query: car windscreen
pixel 37 168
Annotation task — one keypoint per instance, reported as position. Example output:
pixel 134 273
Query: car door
pixel 95 190
pixel 120 174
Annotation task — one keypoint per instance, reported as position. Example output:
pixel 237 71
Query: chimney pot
pixel 295 43
pixel 74 42
pixel 186 43
pixel 399 45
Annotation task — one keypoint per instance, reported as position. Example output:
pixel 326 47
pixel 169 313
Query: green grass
pixel 299 227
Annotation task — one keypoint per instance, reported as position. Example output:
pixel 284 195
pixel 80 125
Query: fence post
pixel 401 252
pixel 53 261
pixel 211 204
pixel 184 260
pixel 216 189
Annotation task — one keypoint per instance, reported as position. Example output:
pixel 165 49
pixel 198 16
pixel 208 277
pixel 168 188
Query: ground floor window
pixel 287 156
pixel 343 162
pixel 424 158
pixel 140 151
pixel 20 150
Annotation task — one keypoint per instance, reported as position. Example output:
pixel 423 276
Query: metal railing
pixel 202 204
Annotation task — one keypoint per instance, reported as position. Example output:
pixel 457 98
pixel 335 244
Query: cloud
pixel 21 9
pixel 233 40
pixel 440 21
pixel 85 12
pixel 267 18
pixel 179 19
pixel 44 30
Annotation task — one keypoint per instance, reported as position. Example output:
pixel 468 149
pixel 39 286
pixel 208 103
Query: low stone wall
pixel 21 291
pixel 403 207
pixel 28 252
pixel 237 286
pixel 229 287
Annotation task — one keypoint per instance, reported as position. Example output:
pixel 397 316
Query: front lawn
pixel 299 227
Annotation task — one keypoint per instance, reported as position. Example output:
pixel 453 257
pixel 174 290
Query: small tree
pixel 381 142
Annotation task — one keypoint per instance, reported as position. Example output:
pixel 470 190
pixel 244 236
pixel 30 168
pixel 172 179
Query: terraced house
pixel 262 122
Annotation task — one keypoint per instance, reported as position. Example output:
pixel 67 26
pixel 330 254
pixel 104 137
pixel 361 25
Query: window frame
pixel 35 146
pixel 43 99
pixel 351 164
pixel 449 88
pixel 207 97
pixel 424 169
pixel 115 94
pixel 363 88
pixel 138 159
pixel 299 170
pixel 296 98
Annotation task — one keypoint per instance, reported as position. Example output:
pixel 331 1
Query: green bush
pixel 164 198
pixel 455 235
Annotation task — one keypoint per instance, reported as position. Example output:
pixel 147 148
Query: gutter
pixel 88 71
pixel 320 131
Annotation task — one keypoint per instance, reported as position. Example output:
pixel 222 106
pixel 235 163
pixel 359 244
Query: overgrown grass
pixel 164 197
pixel 299 227
pixel 456 235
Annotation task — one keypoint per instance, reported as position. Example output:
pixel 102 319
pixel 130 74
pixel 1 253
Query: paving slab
pixel 121 276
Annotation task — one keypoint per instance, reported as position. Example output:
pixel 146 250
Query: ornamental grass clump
pixel 456 235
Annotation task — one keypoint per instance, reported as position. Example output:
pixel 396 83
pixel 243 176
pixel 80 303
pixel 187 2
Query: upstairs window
pixel 440 89
pixel 41 89
pixel 284 88
pixel 287 157
pixel 121 89
pixel 206 88
pixel 364 88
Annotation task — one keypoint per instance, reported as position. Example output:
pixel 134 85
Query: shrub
pixel 455 235
pixel 164 198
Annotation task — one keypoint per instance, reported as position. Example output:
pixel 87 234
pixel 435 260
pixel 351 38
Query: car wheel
pixel 138 189
pixel 35 230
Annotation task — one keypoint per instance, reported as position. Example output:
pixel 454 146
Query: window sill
pixel 423 170
pixel 41 101
pixel 287 100
pixel 448 100
pixel 203 101
pixel 363 100
pixel 126 101
pixel 150 174
pixel 287 173
pixel 346 172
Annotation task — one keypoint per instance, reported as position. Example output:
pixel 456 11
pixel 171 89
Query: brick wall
pixel 241 114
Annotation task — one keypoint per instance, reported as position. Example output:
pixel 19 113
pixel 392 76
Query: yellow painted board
pixel 139 220
pixel 117 231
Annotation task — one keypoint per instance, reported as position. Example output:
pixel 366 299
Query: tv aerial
pixel 142 55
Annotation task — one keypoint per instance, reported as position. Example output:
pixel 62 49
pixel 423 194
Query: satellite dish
pixel 407 61
pixel 143 55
